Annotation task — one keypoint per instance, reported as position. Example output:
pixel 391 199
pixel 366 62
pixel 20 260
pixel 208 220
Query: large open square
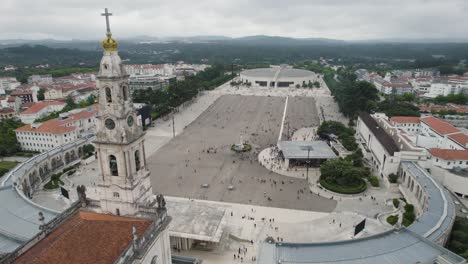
pixel 199 162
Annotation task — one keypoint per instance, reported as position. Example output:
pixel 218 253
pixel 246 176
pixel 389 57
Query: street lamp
pixel 308 148
pixel 173 123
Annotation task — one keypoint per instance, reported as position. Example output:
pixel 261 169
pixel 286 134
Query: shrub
pixel 409 208
pixel 393 178
pixel 408 215
pixel 396 202
pixel 344 189
pixel 374 181
pixel 3 171
pixel 458 242
pixel 392 219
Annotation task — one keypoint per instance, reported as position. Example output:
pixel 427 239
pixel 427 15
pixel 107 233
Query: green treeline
pixel 163 100
pixel 351 95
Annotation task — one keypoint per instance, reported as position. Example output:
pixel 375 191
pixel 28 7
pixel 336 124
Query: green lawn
pixel 5 166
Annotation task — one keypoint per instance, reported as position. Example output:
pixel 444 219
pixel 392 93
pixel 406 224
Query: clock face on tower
pixel 110 124
pixel 130 121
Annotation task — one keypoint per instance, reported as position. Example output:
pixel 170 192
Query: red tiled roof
pixel 27 105
pixel 460 138
pixel 85 237
pixel 21 92
pixel 449 154
pixel 405 119
pixel 6 110
pixel 440 126
pixel 59 126
pixel 39 106
pixel 11 99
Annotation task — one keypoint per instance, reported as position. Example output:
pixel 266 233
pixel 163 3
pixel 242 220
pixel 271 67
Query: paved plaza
pixel 201 155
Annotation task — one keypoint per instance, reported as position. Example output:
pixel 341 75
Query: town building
pixel 409 124
pixel 7 113
pixel 37 79
pixel 144 82
pixel 443 89
pixel 39 110
pixel 60 91
pixel 58 131
pixel 437 133
pixel 27 95
pixel 278 76
pixel 12 102
pixel 8 84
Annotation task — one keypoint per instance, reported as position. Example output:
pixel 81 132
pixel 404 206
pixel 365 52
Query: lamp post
pixel 173 123
pixel 308 148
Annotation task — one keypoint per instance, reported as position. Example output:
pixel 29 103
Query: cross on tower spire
pixel 107 15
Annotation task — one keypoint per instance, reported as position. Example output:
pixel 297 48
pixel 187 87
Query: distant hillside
pixel 26 55
pixel 284 41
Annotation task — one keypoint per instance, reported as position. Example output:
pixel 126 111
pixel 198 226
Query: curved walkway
pixel 19 215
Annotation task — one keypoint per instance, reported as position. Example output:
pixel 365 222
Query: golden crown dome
pixel 109 44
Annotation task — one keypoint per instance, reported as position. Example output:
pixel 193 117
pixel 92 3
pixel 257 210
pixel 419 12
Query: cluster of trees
pixel 70 105
pixel 452 98
pixel 8 143
pixel 351 95
pixel 164 100
pixel 397 107
pixel 458 242
pixel 341 176
pixel 450 69
pixel 345 134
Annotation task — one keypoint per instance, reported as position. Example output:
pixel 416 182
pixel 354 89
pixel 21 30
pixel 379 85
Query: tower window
pixel 108 95
pixel 116 195
pixel 125 93
pixel 137 160
pixel 113 165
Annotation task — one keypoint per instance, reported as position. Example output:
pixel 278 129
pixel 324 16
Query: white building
pixel 444 89
pixel 55 132
pixel 143 82
pixel 8 84
pixel 35 79
pixel 437 133
pixel 450 167
pixel 278 76
pixel 409 124
pixel 39 110
pixel 384 145
pixel 377 146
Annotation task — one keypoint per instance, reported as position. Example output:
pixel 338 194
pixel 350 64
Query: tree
pixel 70 102
pixel 40 94
pixel 8 143
pixel 91 99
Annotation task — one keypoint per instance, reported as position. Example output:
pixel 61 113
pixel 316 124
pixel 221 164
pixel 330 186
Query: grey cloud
pixel 341 19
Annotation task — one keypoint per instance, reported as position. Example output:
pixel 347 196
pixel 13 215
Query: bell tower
pixel 125 181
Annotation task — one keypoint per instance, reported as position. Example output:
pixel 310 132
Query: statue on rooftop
pixel 161 201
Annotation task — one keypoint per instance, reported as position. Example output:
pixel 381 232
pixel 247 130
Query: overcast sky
pixel 338 19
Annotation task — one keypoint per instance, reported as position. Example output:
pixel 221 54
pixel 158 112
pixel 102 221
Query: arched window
pixel 125 92
pixel 113 165
pixel 116 195
pixel 137 160
pixel 108 95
